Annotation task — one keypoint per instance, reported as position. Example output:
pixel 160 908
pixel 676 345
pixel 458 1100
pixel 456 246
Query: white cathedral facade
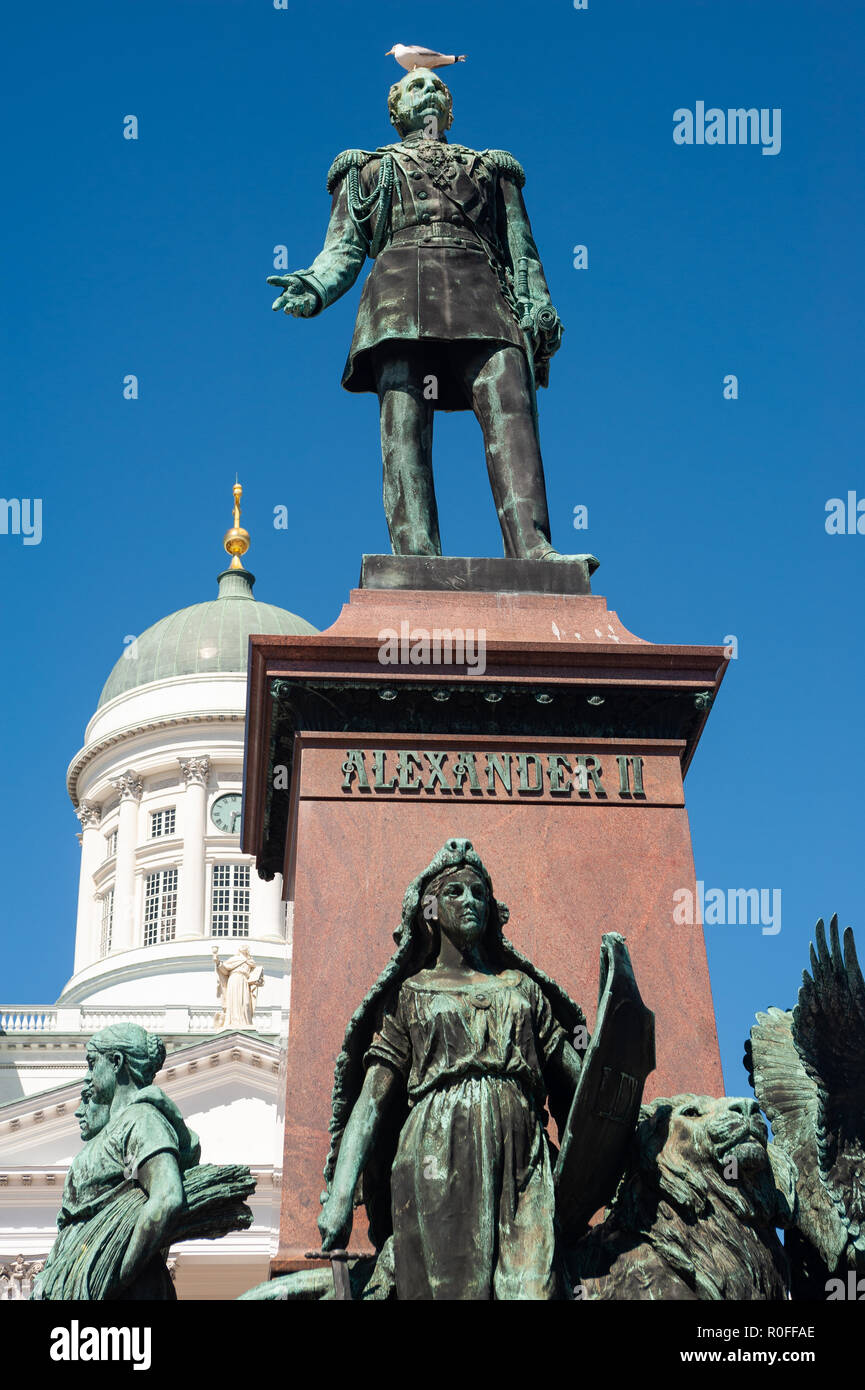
pixel 163 892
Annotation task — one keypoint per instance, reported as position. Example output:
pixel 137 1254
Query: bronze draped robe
pixel 471 1184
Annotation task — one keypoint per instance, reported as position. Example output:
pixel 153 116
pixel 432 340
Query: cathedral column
pixel 190 913
pixel 267 910
pixel 125 937
pixel 92 852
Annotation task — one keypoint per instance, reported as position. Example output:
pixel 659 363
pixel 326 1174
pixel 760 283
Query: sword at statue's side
pixel 542 329
pixel 606 1104
pixel 339 1269
pixel 527 324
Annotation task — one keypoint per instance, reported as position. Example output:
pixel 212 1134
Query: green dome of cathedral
pixel 202 638
pixel 206 637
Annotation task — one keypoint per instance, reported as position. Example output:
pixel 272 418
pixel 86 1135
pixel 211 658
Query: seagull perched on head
pixel 409 56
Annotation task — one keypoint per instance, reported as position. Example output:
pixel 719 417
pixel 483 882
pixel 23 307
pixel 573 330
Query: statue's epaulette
pixel 507 165
pixel 345 161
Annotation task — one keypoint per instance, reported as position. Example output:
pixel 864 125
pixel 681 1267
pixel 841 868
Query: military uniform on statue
pixel 456 314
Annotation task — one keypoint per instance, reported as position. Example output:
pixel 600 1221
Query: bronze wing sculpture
pixel 806 1067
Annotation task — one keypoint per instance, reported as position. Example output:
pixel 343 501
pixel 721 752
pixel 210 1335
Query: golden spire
pixel 236 540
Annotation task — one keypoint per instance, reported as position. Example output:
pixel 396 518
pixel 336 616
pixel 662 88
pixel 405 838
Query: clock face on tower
pixel 225 813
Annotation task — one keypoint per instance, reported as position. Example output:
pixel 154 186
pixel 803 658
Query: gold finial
pixel 236 540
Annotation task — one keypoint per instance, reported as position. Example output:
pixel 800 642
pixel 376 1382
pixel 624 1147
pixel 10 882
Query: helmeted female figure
pixel 439 1101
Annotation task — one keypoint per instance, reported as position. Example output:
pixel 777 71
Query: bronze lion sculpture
pixel 696 1211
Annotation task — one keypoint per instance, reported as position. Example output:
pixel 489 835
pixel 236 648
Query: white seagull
pixel 410 55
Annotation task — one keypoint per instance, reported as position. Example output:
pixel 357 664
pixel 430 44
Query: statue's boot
pixel 548 552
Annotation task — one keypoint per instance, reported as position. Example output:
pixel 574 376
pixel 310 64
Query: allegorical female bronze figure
pixel 439 1101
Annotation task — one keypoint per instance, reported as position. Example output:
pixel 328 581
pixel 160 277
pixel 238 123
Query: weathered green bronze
pixel 456 314
pixel 438 1107
pixel 696 1213
pixel 561 774
pixel 807 1068
pixel 702 1191
pixel 439 1119
pixel 136 1187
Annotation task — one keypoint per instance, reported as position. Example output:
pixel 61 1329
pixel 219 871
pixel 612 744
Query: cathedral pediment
pixel 231 1069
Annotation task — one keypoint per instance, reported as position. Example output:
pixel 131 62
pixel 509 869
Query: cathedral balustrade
pixel 90 1018
pixel 18 1020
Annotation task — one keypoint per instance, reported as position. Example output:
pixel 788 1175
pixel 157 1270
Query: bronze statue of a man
pixel 455 315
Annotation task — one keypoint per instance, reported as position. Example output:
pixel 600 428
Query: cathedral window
pixel 111 844
pixel 160 906
pixel 107 919
pixel 229 910
pixel 162 822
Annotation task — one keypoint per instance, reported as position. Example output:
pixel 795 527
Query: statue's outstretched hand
pixel 335 1221
pixel 295 299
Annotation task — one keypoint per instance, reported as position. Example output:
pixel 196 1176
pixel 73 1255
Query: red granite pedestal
pixel 562 760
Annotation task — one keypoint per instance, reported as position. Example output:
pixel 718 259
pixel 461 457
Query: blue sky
pixel 149 257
